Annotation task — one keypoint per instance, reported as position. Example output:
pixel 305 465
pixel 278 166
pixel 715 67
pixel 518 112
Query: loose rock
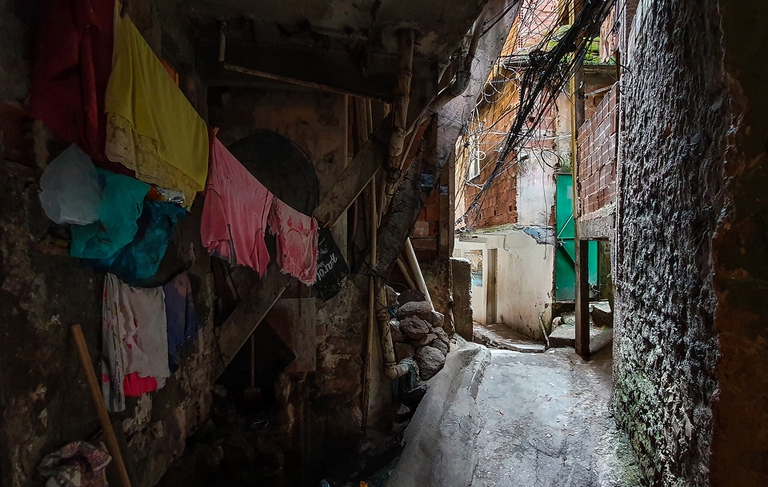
pixel 427 340
pixel 422 309
pixel 397 334
pixel 437 319
pixel 441 335
pixel 414 327
pixel 431 360
pixel 410 295
pixel 391 297
pixel 441 345
pixel 403 350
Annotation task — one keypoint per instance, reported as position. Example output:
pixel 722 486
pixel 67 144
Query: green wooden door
pixel 565 255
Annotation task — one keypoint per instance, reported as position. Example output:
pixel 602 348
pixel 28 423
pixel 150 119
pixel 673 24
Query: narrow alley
pixel 383 243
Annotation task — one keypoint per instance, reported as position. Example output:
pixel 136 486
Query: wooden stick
pixel 406 274
pixel 98 401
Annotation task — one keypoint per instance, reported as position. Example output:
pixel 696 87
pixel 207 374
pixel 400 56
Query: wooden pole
pixel 406 274
pixel 581 246
pixel 410 254
pixel 101 410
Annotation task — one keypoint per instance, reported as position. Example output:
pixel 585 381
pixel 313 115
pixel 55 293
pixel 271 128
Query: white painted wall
pixel 525 283
pixel 535 187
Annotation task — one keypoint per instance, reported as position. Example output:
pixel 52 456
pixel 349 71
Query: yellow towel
pixel 151 127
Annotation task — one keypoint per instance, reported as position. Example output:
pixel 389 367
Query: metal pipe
pixel 461 79
pixel 392 370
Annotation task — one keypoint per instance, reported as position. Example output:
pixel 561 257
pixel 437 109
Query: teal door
pixel 565 255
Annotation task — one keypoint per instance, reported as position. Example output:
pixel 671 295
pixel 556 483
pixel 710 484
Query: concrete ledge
pixel 599 224
pixel 440 441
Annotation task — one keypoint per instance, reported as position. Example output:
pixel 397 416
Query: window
pixel 475 257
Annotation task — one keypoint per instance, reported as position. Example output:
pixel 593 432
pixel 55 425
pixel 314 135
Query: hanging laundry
pixel 70 71
pixel 180 315
pixel 135 385
pixel 138 261
pixel 235 212
pixel 71 192
pixel 121 206
pixel 151 127
pixel 331 267
pixel 134 337
pixel 77 464
pixel 296 235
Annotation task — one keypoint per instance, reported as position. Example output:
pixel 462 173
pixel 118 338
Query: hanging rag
pixel 134 337
pixel 70 71
pixel 138 261
pixel 235 212
pixel 77 464
pixel 296 235
pixel 151 127
pixel 121 207
pixel 135 385
pixel 180 315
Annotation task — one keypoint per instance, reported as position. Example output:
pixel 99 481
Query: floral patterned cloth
pixel 77 464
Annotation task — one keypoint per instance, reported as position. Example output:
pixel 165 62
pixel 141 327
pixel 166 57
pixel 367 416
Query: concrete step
pixel 499 335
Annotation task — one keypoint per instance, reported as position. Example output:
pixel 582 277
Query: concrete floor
pixel 547 423
pixel 507 419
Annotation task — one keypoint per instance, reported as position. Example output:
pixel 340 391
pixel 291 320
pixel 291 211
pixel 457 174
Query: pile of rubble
pixel 418 333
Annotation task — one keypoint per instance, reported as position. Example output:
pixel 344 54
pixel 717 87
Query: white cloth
pixel 134 337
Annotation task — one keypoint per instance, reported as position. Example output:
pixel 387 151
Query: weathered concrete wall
pixel 674 124
pixel 525 283
pixel 44 402
pixel 462 297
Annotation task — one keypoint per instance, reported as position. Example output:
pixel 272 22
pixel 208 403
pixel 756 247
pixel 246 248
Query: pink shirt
pixel 235 212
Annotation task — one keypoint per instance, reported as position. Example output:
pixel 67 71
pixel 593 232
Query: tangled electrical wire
pixel 542 75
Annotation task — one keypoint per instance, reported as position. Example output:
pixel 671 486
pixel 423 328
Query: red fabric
pixel 73 61
pixel 134 385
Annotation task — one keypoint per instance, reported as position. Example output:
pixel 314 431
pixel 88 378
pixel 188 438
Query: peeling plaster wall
pixel 675 120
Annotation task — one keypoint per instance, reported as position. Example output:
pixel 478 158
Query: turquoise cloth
pixel 138 261
pixel 121 206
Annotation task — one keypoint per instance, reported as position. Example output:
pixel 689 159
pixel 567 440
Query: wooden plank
pixel 234 332
pixel 356 176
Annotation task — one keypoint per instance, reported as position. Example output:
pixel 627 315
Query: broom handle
pixel 106 425
pixel 253 360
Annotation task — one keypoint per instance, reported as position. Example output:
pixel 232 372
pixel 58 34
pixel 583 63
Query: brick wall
pixel 597 156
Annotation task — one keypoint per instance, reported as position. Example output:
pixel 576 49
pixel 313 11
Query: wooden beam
pixel 356 176
pixel 582 297
pixel 234 332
